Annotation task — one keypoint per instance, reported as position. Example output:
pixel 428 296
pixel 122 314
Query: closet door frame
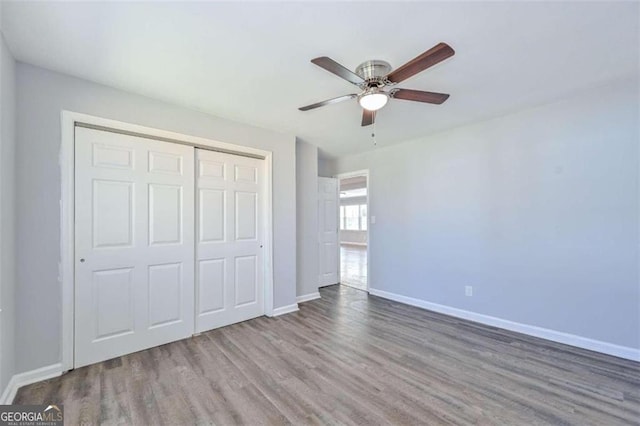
pixel 69 121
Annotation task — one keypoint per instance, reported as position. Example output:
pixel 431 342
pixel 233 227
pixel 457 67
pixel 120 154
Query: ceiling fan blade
pixel 328 102
pixel 337 69
pixel 368 117
pixel 436 54
pixel 419 96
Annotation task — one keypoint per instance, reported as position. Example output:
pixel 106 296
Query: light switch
pixel 373 220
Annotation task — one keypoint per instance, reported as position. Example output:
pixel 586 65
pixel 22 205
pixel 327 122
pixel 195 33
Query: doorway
pixel 354 229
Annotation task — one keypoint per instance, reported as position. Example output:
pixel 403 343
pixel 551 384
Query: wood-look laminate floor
pixel 351 358
pixel 353 266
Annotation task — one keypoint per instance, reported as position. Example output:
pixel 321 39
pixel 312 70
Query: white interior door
pixel 229 253
pixel 328 212
pixel 134 207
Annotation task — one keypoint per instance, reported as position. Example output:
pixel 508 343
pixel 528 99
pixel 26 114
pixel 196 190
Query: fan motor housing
pixel 373 70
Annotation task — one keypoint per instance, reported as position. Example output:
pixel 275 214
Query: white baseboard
pixel 285 310
pixel 531 330
pixel 308 297
pixel 28 377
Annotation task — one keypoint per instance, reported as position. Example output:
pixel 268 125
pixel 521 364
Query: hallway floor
pixel 353 266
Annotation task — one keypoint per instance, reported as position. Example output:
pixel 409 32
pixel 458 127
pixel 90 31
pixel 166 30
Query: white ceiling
pixel 250 62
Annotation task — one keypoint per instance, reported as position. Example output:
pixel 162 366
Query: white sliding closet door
pixel 229 232
pixel 134 248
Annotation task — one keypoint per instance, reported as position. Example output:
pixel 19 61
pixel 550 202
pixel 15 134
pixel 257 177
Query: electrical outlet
pixel 468 290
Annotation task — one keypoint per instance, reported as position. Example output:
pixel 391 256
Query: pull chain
pixel 373 135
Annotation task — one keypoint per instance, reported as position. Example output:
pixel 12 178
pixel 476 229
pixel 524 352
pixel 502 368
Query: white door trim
pixel 67 201
pixel 364 173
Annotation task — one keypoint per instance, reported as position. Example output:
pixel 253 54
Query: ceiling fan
pixel 375 75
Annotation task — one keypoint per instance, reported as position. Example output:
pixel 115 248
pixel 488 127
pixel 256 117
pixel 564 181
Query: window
pixel 353 218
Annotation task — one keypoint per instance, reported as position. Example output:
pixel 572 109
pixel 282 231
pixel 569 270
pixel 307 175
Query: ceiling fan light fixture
pixel 373 99
pixel 375 75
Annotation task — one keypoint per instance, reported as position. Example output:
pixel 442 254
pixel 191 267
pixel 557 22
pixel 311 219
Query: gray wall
pixel 307 216
pixel 325 166
pixel 41 96
pixel 7 214
pixel 537 210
